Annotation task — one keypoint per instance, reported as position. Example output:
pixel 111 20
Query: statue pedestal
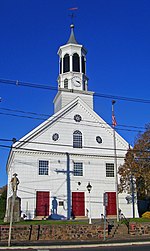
pixel 16 210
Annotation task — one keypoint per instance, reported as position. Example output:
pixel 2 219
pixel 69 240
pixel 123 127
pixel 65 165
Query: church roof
pixel 72 39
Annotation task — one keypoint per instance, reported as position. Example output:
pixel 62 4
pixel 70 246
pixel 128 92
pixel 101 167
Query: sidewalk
pixel 35 245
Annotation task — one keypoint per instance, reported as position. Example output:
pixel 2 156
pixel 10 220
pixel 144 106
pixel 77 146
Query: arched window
pixel 66 63
pixel 60 66
pixel 83 64
pixel 77 139
pixel 76 62
pixel 66 83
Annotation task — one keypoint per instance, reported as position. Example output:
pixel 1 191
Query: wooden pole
pixel 11 218
pixel 115 159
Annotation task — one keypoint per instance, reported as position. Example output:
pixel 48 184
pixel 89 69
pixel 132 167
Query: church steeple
pixel 72 71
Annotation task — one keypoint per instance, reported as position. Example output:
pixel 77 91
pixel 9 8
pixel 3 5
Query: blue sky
pixel 117 36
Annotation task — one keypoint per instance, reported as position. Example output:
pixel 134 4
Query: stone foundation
pixel 66 232
pixel 139 229
pixel 53 232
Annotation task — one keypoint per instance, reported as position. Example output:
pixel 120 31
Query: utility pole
pixel 11 218
pixel 68 188
pixel 67 172
pixel 114 123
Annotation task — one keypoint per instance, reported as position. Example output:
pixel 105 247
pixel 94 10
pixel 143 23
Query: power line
pixel 48 115
pixel 48 87
pixel 59 153
pixel 76 154
pixel 109 96
pixel 93 122
pixel 20 116
pixel 16 82
pixel 63 122
pixel 64 145
pixel 27 84
pixel 25 112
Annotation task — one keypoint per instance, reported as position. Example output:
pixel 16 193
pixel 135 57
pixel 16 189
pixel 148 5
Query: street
pixel 145 247
pixel 121 248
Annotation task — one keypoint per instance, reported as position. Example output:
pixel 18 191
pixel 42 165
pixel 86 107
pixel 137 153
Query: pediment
pixel 55 131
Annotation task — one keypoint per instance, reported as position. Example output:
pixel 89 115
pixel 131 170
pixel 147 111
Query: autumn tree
pixel 3 197
pixel 137 166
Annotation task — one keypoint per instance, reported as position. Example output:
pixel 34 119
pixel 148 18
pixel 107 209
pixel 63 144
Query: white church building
pixel 72 149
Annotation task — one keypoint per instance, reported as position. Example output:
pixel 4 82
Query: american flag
pixel 114 122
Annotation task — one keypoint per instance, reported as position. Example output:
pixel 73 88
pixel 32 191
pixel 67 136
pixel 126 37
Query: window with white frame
pixel 43 167
pixel 77 139
pixel 78 169
pixel 109 169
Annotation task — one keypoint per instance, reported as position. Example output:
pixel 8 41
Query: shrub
pixel 146 215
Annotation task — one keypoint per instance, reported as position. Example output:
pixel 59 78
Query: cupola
pixel 72 65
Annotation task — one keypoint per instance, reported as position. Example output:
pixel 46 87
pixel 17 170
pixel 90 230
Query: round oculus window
pixel 99 139
pixel 77 118
pixel 55 136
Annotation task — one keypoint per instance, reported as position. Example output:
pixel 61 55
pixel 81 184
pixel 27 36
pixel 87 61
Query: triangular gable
pixel 54 118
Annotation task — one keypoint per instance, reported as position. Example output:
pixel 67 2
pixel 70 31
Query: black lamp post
pixel 89 187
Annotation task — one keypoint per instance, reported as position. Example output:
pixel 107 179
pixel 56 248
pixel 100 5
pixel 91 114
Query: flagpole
pixel 115 159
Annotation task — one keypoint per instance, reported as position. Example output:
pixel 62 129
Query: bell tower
pixel 72 79
pixel 72 65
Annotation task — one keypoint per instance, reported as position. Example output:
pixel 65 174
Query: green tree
pixel 137 166
pixel 3 198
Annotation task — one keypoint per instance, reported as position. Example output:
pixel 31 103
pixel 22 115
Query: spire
pixel 72 39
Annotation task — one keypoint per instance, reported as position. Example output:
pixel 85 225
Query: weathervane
pixel 72 15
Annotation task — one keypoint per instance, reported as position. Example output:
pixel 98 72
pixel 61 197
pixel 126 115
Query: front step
pixel 81 218
pixel 40 218
pixel 119 231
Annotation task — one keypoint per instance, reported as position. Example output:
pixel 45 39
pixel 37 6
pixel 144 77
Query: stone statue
pixel 14 184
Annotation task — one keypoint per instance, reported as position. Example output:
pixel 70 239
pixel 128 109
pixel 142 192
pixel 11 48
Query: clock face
pixel 76 81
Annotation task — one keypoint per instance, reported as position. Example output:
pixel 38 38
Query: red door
pixel 78 205
pixel 42 203
pixel 111 208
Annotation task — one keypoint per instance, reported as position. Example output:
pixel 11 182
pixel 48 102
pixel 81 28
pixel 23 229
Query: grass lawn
pixel 71 222
pixel 47 222
pixel 50 222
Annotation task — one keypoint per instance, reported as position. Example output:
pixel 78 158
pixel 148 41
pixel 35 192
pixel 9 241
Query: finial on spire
pixel 72 39
pixel 72 26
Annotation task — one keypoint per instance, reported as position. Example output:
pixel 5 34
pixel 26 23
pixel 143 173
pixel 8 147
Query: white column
pixel 80 64
pixel 71 65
